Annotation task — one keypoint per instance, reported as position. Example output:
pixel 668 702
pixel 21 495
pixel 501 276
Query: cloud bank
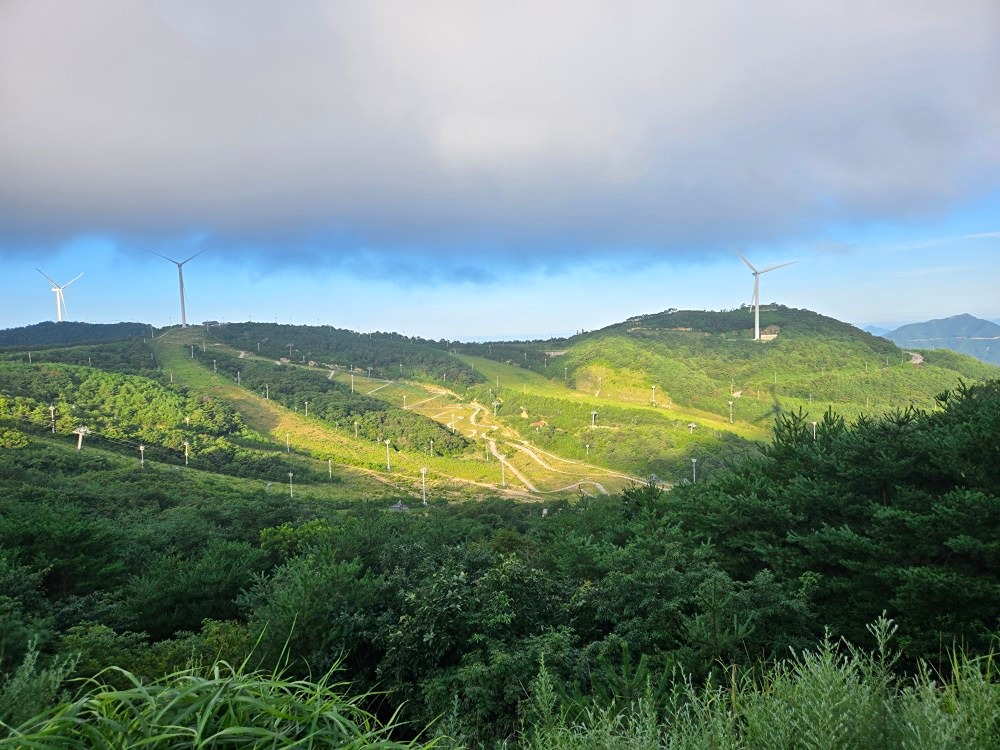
pixel 480 134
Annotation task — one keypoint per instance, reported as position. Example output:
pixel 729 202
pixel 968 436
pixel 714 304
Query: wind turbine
pixel 60 297
pixel 756 291
pixel 180 278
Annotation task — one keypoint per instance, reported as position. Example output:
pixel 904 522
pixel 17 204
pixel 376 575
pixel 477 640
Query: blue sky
pixel 479 170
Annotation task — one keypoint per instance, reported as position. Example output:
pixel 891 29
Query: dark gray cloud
pixel 486 134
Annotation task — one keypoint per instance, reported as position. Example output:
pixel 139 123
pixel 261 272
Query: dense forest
pixel 717 607
pixel 384 354
pixel 66 332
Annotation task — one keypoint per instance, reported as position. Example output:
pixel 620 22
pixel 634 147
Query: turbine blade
pixel 780 265
pixel 46 276
pixel 192 257
pixel 164 257
pixel 70 282
pixel 749 264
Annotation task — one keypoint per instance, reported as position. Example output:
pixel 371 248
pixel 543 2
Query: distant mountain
pixel 66 333
pixel 876 330
pixel 965 334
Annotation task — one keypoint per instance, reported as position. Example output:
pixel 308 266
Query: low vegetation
pixel 755 607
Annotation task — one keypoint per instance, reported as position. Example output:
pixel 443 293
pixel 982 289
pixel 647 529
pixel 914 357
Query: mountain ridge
pixel 962 333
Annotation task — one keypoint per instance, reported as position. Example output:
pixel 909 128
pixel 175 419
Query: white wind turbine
pixel 180 278
pixel 756 291
pixel 60 297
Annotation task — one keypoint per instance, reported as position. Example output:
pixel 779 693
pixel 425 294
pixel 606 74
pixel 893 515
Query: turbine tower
pixel 60 297
pixel 180 279
pixel 756 291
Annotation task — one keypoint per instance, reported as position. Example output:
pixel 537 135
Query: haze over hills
pixel 960 333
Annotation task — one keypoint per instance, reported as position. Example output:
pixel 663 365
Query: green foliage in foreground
pixel 222 707
pixel 835 697
pixel 832 697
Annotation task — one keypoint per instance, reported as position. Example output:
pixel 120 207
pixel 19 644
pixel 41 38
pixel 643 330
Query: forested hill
pixel 254 493
pixel 384 354
pixel 739 323
pixel 706 359
pixel 961 333
pixel 66 333
pixel 495 622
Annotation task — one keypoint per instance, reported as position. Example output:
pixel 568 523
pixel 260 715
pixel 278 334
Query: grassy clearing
pixel 475 471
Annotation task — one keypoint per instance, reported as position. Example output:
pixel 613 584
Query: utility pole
pixel 291 489
pixel 80 432
pixel 694 470
pixel 187 447
pixel 387 466
pixel 142 456
pixel 730 412
pixel 423 482
pixel 503 474
pixel 288 445
pixel 52 414
pixel 307 408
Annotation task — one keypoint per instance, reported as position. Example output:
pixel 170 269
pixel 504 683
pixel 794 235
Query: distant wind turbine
pixel 60 297
pixel 180 278
pixel 756 291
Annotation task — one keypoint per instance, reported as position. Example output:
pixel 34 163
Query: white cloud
pixel 536 131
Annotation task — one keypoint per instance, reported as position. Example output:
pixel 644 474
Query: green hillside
pixel 234 524
pixel 66 332
pixel 649 397
pixel 960 333
pixel 207 599
pixel 703 360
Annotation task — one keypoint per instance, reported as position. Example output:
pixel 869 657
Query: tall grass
pixel 222 707
pixel 836 697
